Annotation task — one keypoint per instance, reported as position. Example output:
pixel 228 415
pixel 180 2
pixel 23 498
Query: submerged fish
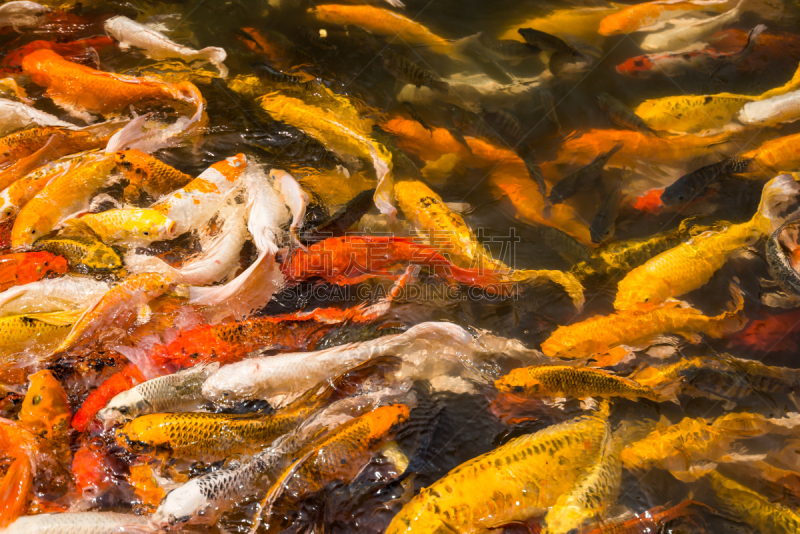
pixel 641 16
pixel 65 293
pixel 622 115
pixel 600 334
pixel 157 46
pixel 690 265
pixel 603 224
pixel 682 36
pixel 73 522
pixel 16 115
pixel 17 331
pixel 572 382
pixel 407 71
pixel 514 483
pixel 754 509
pixel 583 178
pixel 688 186
pixel 781 267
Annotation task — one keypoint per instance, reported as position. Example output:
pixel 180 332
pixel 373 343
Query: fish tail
pixel 732 320
pixel 440 86
pixel 126 137
pixel 779 202
pixel 14 490
pixel 216 56
pixel 669 391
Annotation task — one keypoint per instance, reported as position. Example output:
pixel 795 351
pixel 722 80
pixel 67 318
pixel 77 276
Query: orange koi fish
pixel 771 333
pixel 640 16
pixel 19 145
pixel 26 267
pixel 80 89
pixel 45 409
pixel 775 156
pixel 509 174
pixel 72 50
pixel 91 470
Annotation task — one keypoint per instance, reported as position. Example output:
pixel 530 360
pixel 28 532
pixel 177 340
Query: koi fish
pixel 641 16
pixel 600 334
pixel 277 47
pixel 17 115
pixel 18 331
pixel 688 186
pixel 774 155
pixel 19 145
pixel 72 50
pixel 157 46
pixel 85 522
pixel 682 36
pixel 65 195
pixel 570 23
pixel 466 498
pixel 770 333
pixel 721 376
pixel 690 265
pixel 692 113
pixel 752 508
pixel 771 111
pixel 26 267
pixel 194 204
pixel 780 266
pixel 84 254
pixel 132 226
pixel 117 383
pixel 118 307
pixel 80 89
pixel 650 521
pixel 382 22
pixel 564 381
pixel 149 174
pixel 293 196
pixel 68 292
pixel 91 470
pixel 677 63
pixel 508 173
pixel 45 409
pixel 177 392
pixel 446 229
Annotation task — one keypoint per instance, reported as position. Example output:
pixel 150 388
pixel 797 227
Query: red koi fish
pixel 26 267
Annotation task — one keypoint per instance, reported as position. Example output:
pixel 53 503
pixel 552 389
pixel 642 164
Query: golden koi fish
pixel 132 225
pixel 513 483
pixel 753 508
pixel 149 174
pixel 690 265
pixel 19 330
pixel 600 334
pixel 637 17
pixel 572 382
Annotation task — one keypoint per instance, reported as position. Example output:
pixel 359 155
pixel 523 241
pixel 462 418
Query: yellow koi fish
pixel 756 510
pixel 516 482
pixel 19 330
pixel 131 226
pixel 690 265
pixel 382 22
pixel 581 23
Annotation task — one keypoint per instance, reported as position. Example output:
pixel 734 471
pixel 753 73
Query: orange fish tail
pixel 14 490
pixel 732 320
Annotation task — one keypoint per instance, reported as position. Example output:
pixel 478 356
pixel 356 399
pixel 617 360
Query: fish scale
pixel 148 173
pixel 753 508
pixel 84 254
pixel 205 436
pixel 513 483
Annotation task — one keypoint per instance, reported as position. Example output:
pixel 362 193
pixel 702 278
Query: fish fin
pixel 14 490
pixel 669 391
pixel 647 376
pixel 75 226
pixel 71 107
pixel 127 136
pixel 276 490
pixel 612 357
pixel 63 318
pixel 216 56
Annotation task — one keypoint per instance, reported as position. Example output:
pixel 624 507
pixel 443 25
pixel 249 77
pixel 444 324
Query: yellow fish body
pixel 571 382
pixel 65 195
pixel 690 265
pixel 201 436
pixel 567 23
pixel 600 334
pixel 636 17
pixel 84 254
pixel 515 482
pixel 19 330
pixel 775 155
pixel 130 225
pixel 148 174
pixel 752 508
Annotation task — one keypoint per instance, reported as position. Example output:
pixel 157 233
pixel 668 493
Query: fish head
pixel 141 435
pixel 91 471
pixel 123 407
pixel 642 297
pixel 518 382
pixel 183 505
pixel 53 265
pixel 45 408
pixel 636 66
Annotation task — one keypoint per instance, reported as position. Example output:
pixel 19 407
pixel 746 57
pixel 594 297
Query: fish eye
pixel 123 410
pixel 638 63
pixel 225 394
pixel 146 233
pixel 33 231
pixel 518 389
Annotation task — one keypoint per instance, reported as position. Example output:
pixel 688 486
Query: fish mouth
pixel 171 228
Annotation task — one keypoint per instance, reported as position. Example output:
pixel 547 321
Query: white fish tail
pixel 216 56
pixel 129 135
pixel 780 200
